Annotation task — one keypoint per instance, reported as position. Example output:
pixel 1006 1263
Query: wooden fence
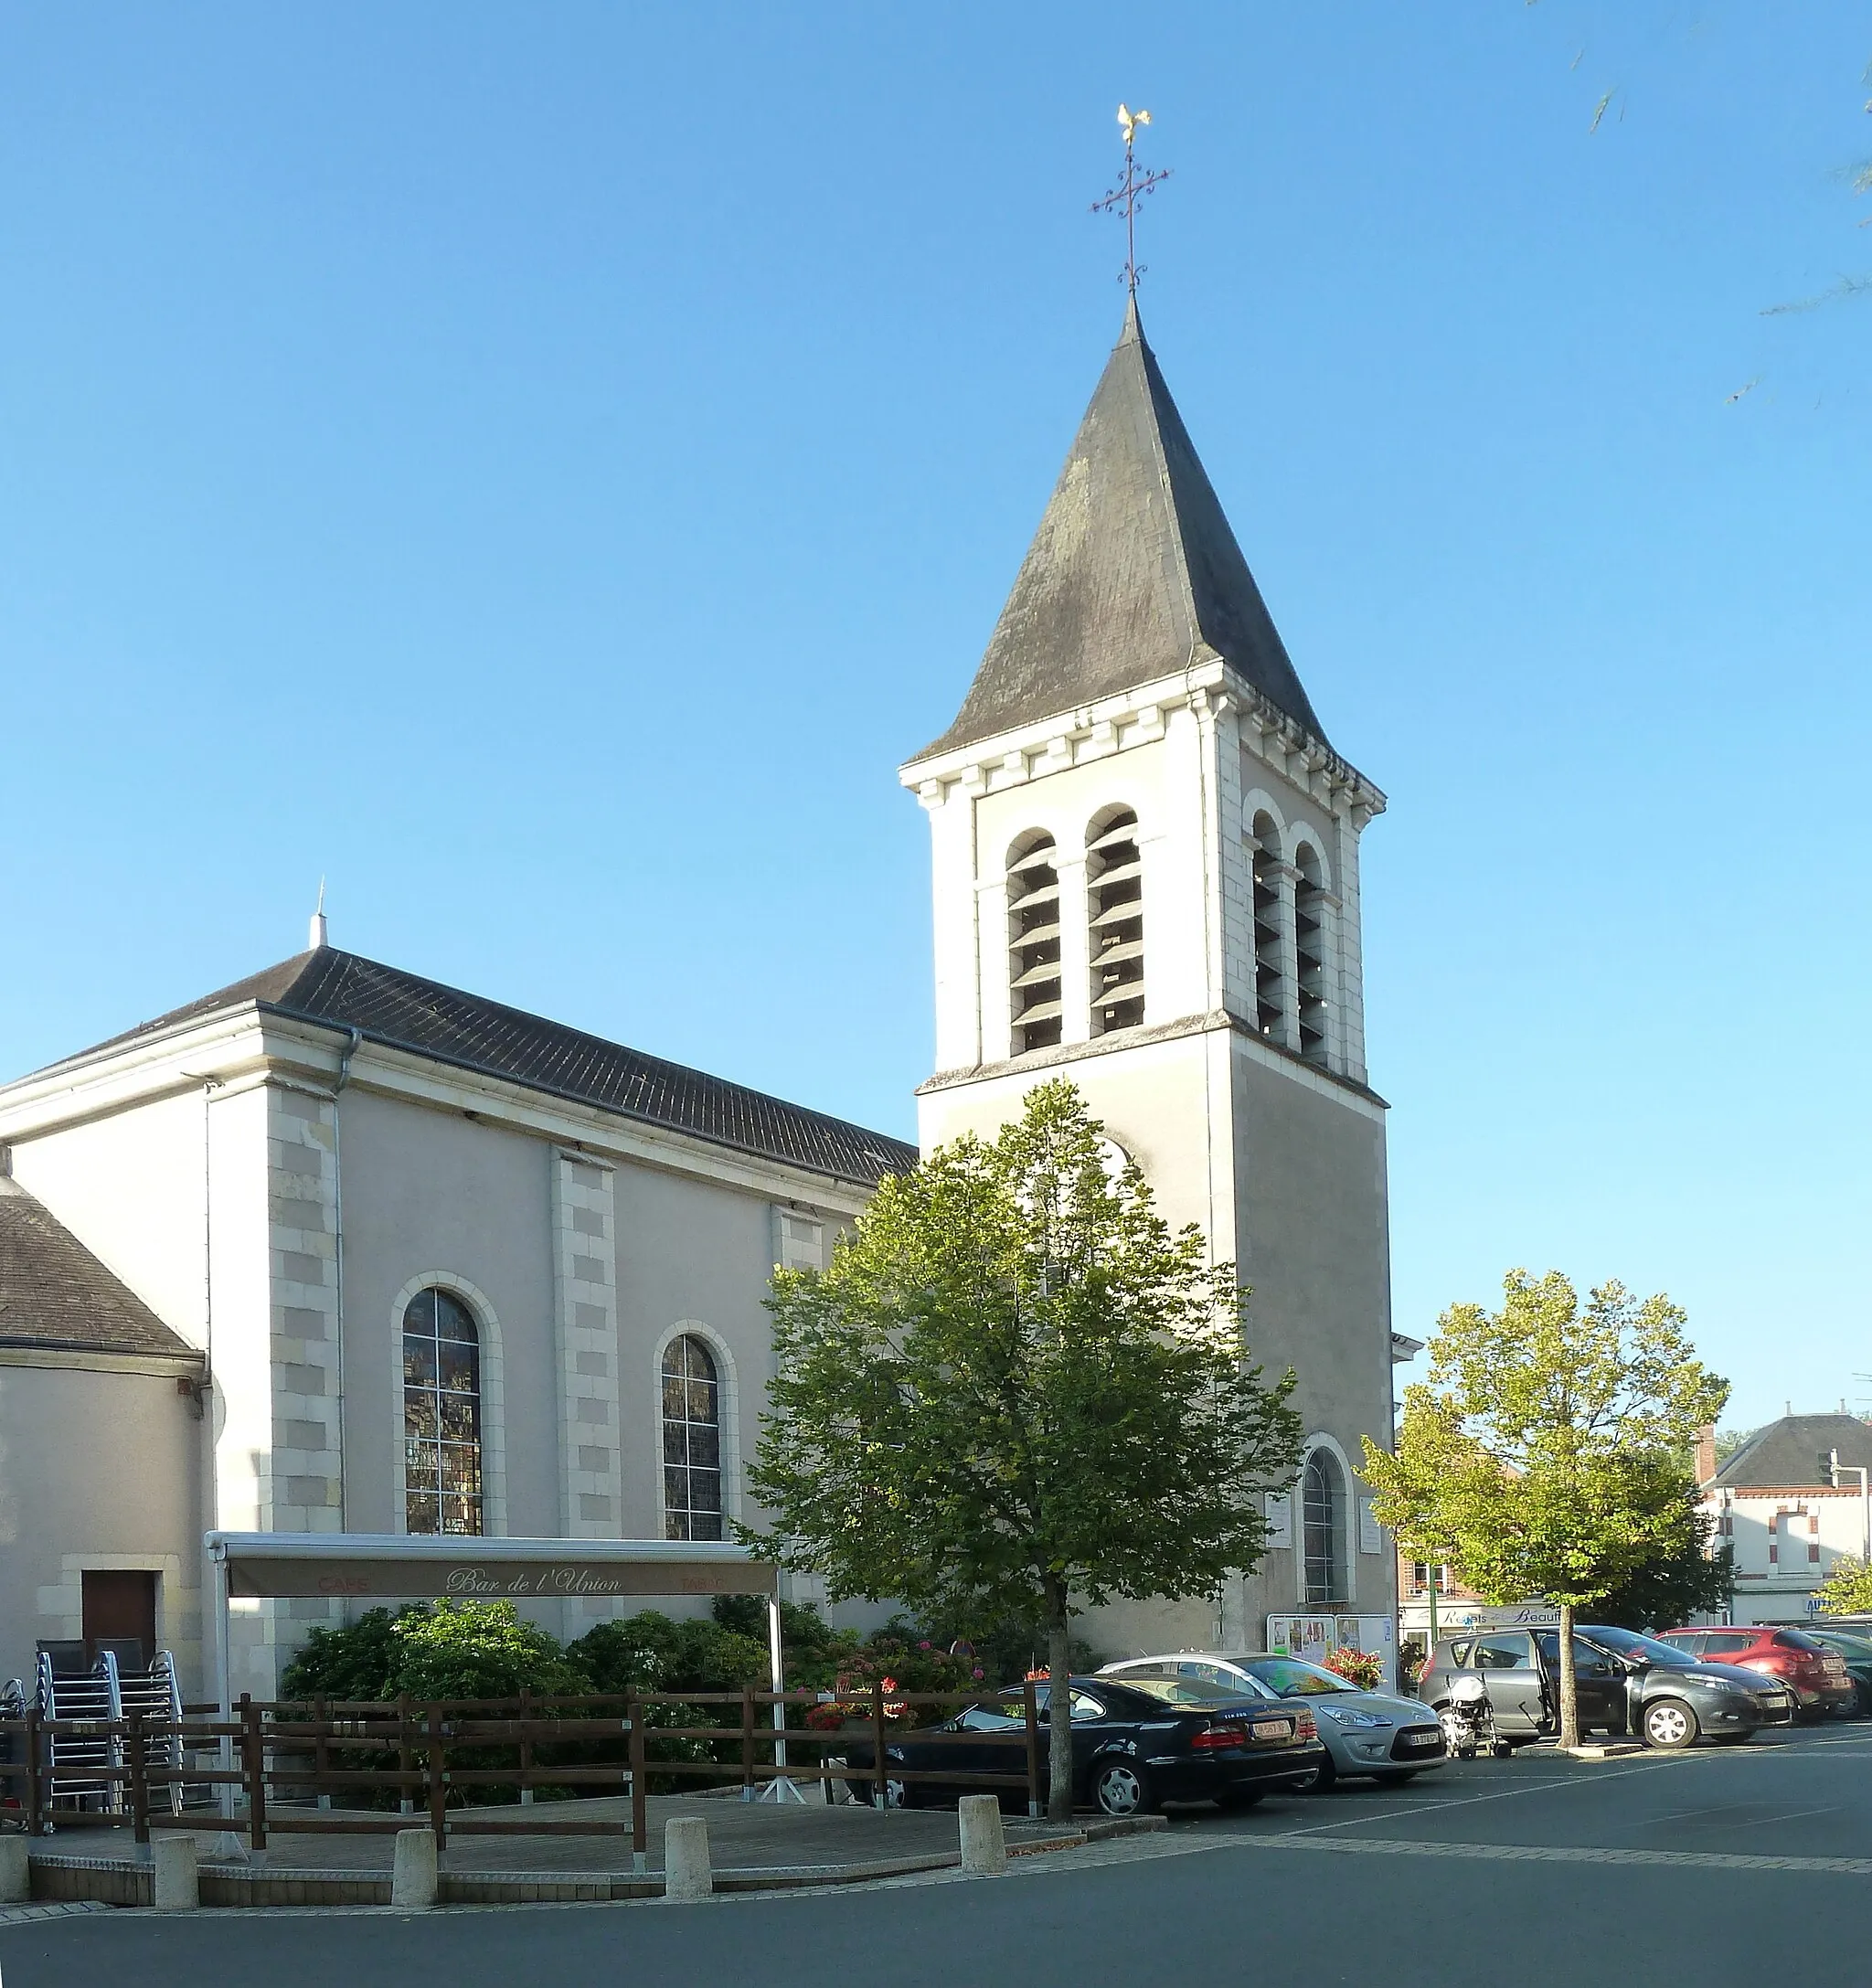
pixel 257 1768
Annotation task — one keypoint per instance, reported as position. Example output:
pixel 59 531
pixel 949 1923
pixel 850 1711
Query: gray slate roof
pixel 1791 1453
pixel 403 1011
pixel 1133 575
pixel 55 1295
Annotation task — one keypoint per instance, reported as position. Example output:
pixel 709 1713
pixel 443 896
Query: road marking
pixel 1501 1795
pixel 1533 1854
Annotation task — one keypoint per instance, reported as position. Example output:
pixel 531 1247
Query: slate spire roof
pixel 1133 574
pixel 404 1011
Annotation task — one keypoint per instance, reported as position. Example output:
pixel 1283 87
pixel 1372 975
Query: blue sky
pixel 543 468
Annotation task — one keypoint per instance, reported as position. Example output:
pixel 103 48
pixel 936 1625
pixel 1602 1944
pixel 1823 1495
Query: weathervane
pixel 1125 196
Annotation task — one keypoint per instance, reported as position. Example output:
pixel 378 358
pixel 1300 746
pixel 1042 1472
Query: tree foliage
pixel 1016 1389
pixel 1847 1590
pixel 1693 1578
pixel 1542 1456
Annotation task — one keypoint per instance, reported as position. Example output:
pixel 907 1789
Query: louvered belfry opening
pixel 1115 911
pixel 1033 943
pixel 1270 872
pixel 1310 953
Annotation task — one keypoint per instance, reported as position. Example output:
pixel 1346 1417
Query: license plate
pixel 1422 1740
pixel 1277 1729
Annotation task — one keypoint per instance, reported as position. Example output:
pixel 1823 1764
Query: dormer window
pixel 1033 943
pixel 1115 915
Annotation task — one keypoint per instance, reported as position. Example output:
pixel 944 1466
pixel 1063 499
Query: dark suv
pixel 1627 1684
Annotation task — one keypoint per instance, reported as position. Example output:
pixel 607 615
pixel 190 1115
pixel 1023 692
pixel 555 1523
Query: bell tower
pixel 1145 878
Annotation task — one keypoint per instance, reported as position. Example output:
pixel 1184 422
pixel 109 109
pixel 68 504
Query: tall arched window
pixel 1310 950
pixel 441 1416
pixel 1033 943
pixel 1270 969
pixel 1116 912
pixel 1322 1527
pixel 691 1440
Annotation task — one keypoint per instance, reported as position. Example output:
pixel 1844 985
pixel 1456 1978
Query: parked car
pixel 1366 1732
pixel 1627 1684
pixel 1815 1674
pixel 1133 1745
pixel 1854 1648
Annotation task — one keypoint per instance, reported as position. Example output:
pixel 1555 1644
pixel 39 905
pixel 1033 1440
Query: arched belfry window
pixel 1323 1529
pixel 1115 911
pixel 1033 943
pixel 1310 952
pixel 691 1440
pixel 441 1416
pixel 1270 969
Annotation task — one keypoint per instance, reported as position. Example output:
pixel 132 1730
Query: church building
pixel 338 1250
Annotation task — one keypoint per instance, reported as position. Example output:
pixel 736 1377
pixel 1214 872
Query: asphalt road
pixel 1650 1870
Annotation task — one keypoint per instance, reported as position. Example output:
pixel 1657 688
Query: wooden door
pixel 119 1606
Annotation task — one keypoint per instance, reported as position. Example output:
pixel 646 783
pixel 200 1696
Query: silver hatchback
pixel 1366 1732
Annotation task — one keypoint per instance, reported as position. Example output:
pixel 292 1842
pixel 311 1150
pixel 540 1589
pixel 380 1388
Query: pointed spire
pixel 316 937
pixel 1133 574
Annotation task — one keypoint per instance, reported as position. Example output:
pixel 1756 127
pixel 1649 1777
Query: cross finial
pixel 1125 196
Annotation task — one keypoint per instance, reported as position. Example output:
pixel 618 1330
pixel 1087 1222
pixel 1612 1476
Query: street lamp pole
pixel 1864 1477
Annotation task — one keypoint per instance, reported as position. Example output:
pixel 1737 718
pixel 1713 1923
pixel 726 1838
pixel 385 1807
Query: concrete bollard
pixel 414 1875
pixel 687 1875
pixel 15 1871
pixel 984 1840
pixel 176 1884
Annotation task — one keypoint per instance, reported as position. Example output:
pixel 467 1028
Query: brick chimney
pixel 1706 1453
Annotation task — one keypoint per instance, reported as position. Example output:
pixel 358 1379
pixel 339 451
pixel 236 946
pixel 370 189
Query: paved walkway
pixel 742 1836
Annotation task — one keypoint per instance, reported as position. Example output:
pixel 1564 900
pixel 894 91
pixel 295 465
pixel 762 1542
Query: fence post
pixel 406 1804
pixel 253 1745
pixel 35 1778
pixel 526 1746
pixel 877 1767
pixel 747 1741
pixel 139 1790
pixel 321 1750
pixel 1033 1725
pixel 438 1778
pixel 640 1820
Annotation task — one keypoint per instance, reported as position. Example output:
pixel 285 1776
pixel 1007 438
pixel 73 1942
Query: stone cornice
pixel 1272 1055
pixel 1208 686
pixel 245 1047
pixel 91 1360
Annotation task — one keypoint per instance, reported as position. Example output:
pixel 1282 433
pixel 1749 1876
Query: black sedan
pixel 1133 1745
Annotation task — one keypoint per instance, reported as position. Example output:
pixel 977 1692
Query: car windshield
pixel 1627 1642
pixel 1294 1679
pixel 1178 1690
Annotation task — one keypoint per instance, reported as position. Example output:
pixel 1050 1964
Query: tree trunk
pixel 1569 1681
pixel 1058 1706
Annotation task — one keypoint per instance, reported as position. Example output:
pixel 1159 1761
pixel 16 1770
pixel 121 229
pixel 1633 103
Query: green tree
pixel 1016 1390
pixel 1666 1590
pixel 1542 1457
pixel 1847 1590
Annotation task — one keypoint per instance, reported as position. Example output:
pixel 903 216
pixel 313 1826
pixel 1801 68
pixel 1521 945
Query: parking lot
pixel 1650 1869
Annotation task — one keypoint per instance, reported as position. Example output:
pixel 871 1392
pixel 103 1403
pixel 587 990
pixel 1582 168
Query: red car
pixel 1815 1674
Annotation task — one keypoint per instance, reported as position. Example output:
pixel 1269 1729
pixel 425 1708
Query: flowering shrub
pixel 1364 1668
pixel 896 1663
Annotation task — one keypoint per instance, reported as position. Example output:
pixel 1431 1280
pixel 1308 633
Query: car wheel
pixel 895 1793
pixel 1324 1778
pixel 1669 1725
pixel 1121 1788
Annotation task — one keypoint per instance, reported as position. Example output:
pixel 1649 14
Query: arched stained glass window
pixel 691 1440
pixel 1323 1523
pixel 441 1416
